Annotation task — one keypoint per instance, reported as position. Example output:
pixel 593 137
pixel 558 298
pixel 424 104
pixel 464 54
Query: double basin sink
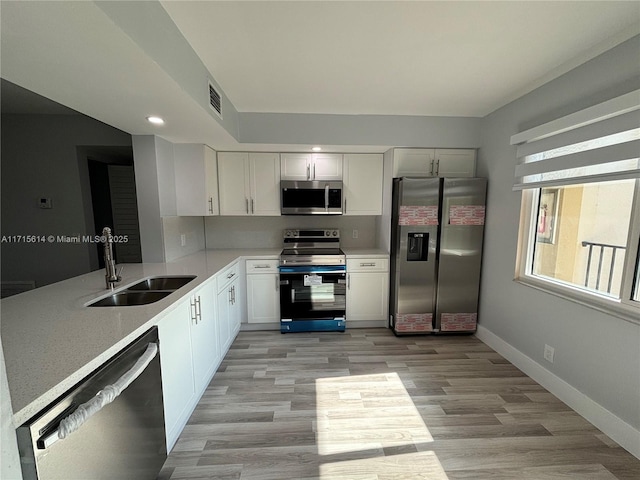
pixel 142 293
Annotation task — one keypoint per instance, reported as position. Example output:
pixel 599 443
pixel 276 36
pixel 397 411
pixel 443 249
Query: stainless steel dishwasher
pixel 121 437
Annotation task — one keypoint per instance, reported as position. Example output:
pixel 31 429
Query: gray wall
pixel 596 353
pixel 266 232
pixel 40 159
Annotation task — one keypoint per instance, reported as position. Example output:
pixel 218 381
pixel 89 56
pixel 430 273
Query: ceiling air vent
pixel 214 100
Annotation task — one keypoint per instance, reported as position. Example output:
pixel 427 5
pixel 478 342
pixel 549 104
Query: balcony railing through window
pixel 602 254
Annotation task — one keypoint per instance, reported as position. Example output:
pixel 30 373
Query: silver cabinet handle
pixel 231 275
pixel 192 310
pixel 277 283
pixel 252 211
pixel 105 396
pixel 438 167
pixel 431 168
pixel 210 204
pixel 314 171
pixel 345 204
pixel 308 171
pixel 246 201
pixel 348 281
pixel 371 264
pixel 230 297
pixel 233 290
pixel 261 266
pixel 198 310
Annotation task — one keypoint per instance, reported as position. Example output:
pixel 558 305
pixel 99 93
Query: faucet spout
pixel 111 275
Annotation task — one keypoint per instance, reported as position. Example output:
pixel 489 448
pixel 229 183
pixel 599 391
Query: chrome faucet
pixel 111 276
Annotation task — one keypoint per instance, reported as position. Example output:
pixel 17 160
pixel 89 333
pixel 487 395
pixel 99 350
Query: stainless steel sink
pixel 144 292
pixel 129 298
pixel 162 283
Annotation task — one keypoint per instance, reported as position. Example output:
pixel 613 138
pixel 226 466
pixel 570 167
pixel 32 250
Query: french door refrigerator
pixel 436 252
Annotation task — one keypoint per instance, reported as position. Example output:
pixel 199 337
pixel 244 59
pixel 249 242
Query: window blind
pixel 596 144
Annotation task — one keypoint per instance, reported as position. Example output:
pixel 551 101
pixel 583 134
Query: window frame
pixel 625 307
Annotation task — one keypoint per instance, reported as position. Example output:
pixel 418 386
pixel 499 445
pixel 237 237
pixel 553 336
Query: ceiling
pixel 380 58
pixel 444 58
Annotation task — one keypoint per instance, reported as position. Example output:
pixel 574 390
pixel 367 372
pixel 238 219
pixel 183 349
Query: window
pixel 580 182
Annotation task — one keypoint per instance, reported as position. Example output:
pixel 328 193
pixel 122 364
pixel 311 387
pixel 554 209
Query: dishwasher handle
pixel 105 396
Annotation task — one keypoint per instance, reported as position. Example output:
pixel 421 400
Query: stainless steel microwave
pixel 311 197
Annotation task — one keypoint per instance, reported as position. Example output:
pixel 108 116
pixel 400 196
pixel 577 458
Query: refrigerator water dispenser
pixel 417 247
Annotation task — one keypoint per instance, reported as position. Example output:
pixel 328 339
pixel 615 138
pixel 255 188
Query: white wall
pixel 595 353
pixel 40 158
pixel 174 227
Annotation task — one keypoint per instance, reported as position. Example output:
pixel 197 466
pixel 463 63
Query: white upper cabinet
pixel 311 166
pixel 362 188
pixel 196 177
pixel 429 162
pixel 249 183
pixel 455 163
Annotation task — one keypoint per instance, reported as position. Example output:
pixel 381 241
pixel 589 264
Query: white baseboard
pixel 621 432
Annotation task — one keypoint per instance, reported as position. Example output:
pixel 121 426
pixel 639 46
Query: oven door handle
pixel 310 272
pixel 105 396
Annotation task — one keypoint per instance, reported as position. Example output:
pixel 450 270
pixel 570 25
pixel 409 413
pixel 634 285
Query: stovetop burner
pixel 312 247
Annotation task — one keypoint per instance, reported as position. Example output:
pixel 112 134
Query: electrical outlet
pixel 355 233
pixel 183 239
pixel 549 352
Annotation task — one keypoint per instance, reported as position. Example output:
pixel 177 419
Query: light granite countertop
pixel 52 340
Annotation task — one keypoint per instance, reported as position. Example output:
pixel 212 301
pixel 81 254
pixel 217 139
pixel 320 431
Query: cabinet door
pixel 178 386
pixel 417 162
pixel 367 296
pixel 455 162
pixel 235 311
pixel 295 166
pixel 362 184
pixel 212 204
pixel 263 298
pixel 191 179
pixel 265 183
pixel 233 180
pixel 223 320
pixel 204 335
pixel 326 166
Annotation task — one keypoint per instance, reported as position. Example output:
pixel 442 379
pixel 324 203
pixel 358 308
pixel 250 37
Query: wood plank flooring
pixel 366 405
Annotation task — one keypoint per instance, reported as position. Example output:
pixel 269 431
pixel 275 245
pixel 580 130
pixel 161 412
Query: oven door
pixel 312 292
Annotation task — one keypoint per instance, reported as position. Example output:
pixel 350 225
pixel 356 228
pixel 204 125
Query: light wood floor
pixel 365 405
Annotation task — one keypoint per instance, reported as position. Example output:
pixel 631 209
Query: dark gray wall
pixel 40 159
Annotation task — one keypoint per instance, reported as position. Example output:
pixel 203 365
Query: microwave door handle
pixel 326 197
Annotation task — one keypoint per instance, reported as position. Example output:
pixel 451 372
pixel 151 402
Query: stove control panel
pixel 312 234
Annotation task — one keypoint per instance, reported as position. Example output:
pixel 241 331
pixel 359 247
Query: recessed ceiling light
pixel 317 149
pixel 155 120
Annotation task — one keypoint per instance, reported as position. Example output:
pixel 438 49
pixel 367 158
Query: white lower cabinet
pixel 178 381
pixel 204 335
pixel 263 291
pixel 367 290
pixel 190 354
pixel 229 306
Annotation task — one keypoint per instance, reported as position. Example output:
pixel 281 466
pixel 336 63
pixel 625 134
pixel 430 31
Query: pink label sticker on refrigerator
pixel 414 322
pixel 418 215
pixel 451 322
pixel 466 215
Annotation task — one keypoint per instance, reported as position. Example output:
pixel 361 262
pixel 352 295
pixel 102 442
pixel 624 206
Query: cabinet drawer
pixel 367 264
pixel 227 276
pixel 262 266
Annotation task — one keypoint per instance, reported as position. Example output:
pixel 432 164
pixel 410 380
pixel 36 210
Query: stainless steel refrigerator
pixel 436 252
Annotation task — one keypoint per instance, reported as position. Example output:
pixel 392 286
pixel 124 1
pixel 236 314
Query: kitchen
pixel 502 216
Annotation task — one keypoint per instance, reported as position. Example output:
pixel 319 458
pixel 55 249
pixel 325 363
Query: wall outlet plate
pixel 549 352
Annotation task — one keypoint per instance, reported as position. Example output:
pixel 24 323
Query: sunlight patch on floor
pixel 367 425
